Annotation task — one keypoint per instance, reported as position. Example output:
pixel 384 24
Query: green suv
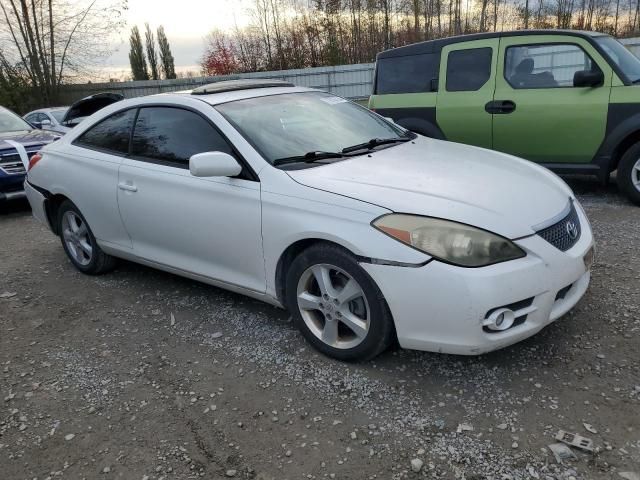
pixel 569 100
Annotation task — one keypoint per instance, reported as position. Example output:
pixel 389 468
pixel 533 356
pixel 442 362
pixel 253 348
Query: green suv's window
pixel 545 66
pixel 409 74
pixel 468 70
pixel 626 61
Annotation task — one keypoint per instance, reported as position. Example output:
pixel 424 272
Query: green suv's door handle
pixel 500 106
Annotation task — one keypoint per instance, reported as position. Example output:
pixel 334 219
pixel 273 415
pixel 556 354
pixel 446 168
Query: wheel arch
pixel 420 120
pixel 621 148
pixel 623 131
pixel 287 257
pixel 421 126
pixel 51 207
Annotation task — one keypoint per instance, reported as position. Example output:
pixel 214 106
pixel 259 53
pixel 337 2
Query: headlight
pixel 450 242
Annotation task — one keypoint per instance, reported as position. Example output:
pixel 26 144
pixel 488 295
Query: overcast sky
pixel 185 22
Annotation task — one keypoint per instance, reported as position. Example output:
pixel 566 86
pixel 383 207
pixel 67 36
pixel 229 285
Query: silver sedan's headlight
pixel 448 241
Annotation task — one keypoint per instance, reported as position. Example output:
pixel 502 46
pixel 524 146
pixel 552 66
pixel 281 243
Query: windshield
pixel 10 122
pixel 294 124
pixel 59 114
pixel 626 61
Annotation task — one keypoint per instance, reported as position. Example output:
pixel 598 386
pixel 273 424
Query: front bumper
pixel 11 186
pixel 441 308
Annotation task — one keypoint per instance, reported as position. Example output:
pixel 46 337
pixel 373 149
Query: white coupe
pixel 368 233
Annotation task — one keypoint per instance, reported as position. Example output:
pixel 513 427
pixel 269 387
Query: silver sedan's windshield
pixel 308 123
pixel 628 63
pixel 10 122
pixel 59 113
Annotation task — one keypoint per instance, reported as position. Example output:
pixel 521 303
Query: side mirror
pixel 214 164
pixel 45 123
pixel 588 78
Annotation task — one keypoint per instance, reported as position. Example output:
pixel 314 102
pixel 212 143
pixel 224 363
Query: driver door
pixel 551 120
pixel 206 226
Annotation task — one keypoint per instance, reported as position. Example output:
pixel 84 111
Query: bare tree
pixel 14 85
pixel 53 41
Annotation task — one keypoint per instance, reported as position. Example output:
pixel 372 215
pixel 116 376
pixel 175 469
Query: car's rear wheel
pixel 628 175
pixel 336 305
pixel 79 243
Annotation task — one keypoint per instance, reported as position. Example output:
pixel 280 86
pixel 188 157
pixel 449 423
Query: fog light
pixel 500 319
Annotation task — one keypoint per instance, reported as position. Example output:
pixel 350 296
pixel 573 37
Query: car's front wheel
pixel 628 175
pixel 336 305
pixel 79 243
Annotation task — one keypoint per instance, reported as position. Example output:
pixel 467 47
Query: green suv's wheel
pixel 629 173
pixel 336 305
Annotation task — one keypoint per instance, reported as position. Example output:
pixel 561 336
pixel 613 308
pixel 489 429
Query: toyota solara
pixel 366 232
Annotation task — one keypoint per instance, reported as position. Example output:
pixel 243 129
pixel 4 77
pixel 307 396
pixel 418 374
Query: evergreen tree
pixel 136 56
pixel 152 54
pixel 166 58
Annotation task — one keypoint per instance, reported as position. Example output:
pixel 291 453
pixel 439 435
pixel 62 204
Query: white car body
pixel 37 116
pixel 166 218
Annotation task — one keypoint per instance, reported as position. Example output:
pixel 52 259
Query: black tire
pixel 99 262
pixel 626 174
pixel 380 333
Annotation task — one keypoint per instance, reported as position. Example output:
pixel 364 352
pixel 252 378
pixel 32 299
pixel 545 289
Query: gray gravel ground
pixel 98 381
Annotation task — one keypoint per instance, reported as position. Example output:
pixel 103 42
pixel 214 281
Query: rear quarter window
pixel 110 135
pixel 408 74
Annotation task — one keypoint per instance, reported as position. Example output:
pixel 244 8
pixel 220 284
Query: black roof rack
pixel 243 84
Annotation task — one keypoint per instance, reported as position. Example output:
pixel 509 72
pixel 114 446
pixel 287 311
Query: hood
pixel 27 138
pixel 88 106
pixel 479 187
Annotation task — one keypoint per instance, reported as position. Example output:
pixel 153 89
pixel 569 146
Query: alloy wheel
pixel 333 306
pixel 635 175
pixel 76 237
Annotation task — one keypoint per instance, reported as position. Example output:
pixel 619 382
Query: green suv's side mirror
pixel 588 78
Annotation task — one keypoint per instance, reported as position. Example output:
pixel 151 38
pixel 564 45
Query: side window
pixel 410 74
pixel 545 65
pixel 173 135
pixel 468 70
pixel 33 118
pixel 111 134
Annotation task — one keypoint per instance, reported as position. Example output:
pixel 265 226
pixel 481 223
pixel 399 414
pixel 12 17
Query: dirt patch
pixel 96 381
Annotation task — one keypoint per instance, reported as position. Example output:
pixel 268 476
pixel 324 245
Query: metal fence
pixel 350 81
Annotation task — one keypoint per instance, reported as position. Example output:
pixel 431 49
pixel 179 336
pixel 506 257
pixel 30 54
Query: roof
pixel 434 46
pixel 243 94
pixel 242 84
pixel 48 109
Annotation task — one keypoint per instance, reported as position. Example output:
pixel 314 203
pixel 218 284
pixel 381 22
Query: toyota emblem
pixel 572 230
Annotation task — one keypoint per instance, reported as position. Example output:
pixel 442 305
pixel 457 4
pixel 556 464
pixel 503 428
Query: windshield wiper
pixel 308 157
pixel 374 142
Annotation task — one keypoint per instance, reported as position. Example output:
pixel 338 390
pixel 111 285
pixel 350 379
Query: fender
pixel 623 121
pixel 420 120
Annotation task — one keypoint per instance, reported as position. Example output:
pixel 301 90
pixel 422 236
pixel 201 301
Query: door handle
pixel 129 187
pixel 500 106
